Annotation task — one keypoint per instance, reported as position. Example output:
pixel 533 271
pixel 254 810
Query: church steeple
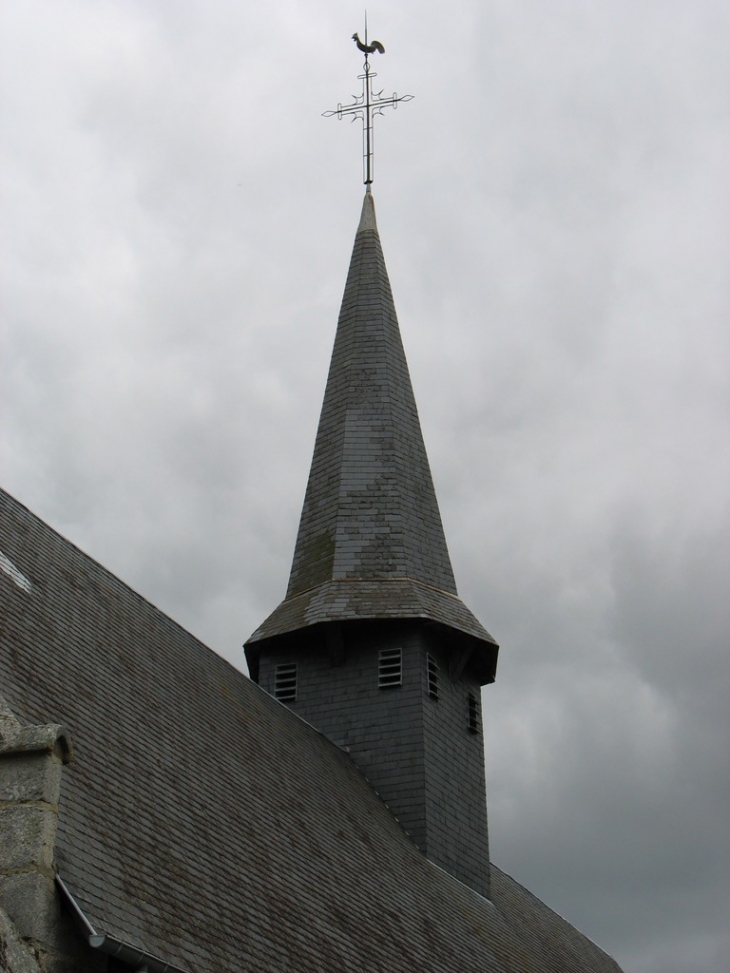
pixel 370 510
pixel 370 542
pixel 372 644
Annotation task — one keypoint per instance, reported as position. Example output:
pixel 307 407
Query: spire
pixel 370 510
pixel 371 544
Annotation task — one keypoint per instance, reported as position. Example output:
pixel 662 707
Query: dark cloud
pixel 554 208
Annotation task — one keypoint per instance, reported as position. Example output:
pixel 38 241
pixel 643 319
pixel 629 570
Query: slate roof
pixel 204 823
pixel 371 543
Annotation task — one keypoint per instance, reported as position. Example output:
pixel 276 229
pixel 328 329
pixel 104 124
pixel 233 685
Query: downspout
pixel 143 962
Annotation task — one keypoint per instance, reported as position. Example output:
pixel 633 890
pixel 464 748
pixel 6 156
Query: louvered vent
pixel 433 677
pixel 390 668
pixel 474 720
pixel 285 682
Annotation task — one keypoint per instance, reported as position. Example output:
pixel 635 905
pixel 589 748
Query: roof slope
pixel 371 543
pixel 206 824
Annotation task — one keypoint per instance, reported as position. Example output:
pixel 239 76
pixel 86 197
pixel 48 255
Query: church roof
pixel 205 824
pixel 371 543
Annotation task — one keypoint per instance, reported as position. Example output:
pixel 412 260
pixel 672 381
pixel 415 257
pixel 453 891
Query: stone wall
pixel 35 935
pixel 15 957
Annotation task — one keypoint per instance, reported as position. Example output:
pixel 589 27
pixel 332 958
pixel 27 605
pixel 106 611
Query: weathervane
pixel 367 105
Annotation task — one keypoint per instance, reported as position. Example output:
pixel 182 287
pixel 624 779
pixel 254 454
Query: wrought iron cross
pixel 367 105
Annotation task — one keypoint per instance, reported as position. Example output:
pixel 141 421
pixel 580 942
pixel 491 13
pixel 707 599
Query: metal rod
pixel 367 105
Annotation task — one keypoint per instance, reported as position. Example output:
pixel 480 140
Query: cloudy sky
pixel 554 205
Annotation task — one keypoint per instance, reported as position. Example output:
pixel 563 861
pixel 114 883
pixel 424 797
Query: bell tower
pixel 372 644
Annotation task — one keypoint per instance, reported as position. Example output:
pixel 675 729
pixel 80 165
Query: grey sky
pixel 554 208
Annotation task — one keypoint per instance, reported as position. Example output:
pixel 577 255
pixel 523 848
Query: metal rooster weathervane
pixel 367 105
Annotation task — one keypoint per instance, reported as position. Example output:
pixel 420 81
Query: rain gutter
pixel 141 961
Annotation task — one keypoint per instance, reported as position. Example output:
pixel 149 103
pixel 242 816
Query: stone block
pixel 32 902
pixel 30 777
pixel 27 836
pixel 15 957
pixel 28 898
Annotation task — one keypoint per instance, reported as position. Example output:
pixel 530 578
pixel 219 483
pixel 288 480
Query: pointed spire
pixel 371 543
pixel 370 509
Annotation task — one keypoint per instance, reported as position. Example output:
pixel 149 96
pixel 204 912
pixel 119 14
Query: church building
pixel 162 812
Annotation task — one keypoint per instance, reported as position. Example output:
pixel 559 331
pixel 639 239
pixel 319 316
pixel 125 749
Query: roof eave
pixel 382 600
pixel 111 946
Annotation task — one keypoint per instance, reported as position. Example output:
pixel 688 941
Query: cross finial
pixel 367 105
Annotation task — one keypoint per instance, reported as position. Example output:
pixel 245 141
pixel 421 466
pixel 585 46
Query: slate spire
pixel 371 544
pixel 370 510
